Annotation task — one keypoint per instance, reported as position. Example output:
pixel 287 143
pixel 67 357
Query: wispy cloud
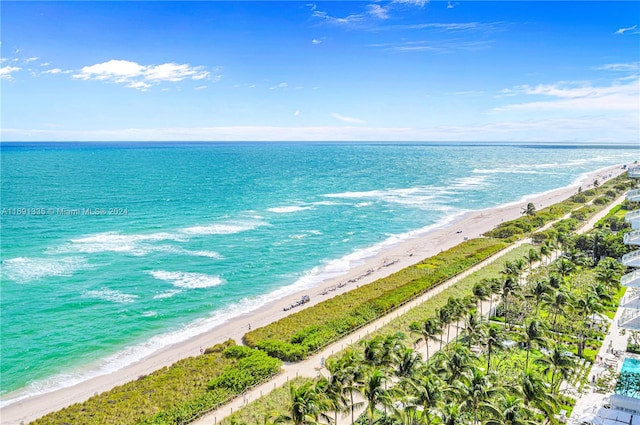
pixel 141 77
pixel 631 30
pixel 419 3
pixel 316 41
pixel 347 20
pixel 578 97
pixel 296 113
pixel 31 59
pixel 282 85
pixel 6 71
pixel 633 66
pixel 344 118
pixel 441 46
pixel 56 71
pixel 200 88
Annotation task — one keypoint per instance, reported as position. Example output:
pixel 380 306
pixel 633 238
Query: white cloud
pixel 347 119
pixel 633 66
pixel 580 97
pixel 296 113
pixel 631 30
pixel 316 41
pixel 350 19
pixel 419 3
pixel 139 76
pixel 45 64
pixel 140 85
pixel 282 85
pixel 200 88
pixel 56 71
pixel 378 11
pixel 34 58
pixel 5 72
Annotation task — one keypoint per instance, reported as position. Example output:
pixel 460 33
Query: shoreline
pixel 389 259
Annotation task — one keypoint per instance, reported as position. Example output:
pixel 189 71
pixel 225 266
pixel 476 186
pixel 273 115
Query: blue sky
pixel 358 70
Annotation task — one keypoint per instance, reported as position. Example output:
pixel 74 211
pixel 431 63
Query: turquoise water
pixel 203 232
pixel 631 365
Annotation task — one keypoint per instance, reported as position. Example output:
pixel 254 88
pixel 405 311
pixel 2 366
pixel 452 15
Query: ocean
pixel 111 251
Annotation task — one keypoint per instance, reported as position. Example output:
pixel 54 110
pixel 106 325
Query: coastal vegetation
pixel 581 206
pixel 174 394
pixel 295 336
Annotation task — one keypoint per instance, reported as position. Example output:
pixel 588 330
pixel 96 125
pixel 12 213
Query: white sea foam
pixel 187 280
pixel 134 244
pixel 166 294
pixel 420 197
pixel 24 269
pixel 111 295
pixel 288 209
pixel 222 228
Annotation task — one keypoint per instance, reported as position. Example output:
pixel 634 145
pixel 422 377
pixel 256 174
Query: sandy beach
pixel 384 263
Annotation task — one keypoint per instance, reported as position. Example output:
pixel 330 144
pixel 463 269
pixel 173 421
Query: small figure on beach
pixel 249 326
pixel 201 350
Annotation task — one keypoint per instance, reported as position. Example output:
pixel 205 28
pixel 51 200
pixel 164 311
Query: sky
pixel 402 70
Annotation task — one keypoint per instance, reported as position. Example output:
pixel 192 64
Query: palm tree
pixel 557 362
pixel 455 364
pixel 545 251
pixel 511 411
pixel 557 304
pixel 564 267
pixel 307 405
pixel 445 317
pixel 529 210
pixel 427 392
pixel 335 386
pixel 540 290
pixel 407 364
pixel 430 329
pixel 451 414
pixel 473 329
pixel 533 333
pixel 374 391
pixel 493 341
pixel 509 286
pixel 532 256
pixel 536 392
pixel 481 292
pixel 585 306
pixel 351 363
pixel 608 272
pixel 479 389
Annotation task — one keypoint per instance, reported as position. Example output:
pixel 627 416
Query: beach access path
pixel 312 367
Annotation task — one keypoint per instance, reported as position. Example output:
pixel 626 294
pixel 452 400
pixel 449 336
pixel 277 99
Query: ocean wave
pixel 420 197
pixel 111 295
pixel 288 209
pixel 166 294
pixel 187 280
pixel 222 228
pixel 134 244
pixel 24 269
